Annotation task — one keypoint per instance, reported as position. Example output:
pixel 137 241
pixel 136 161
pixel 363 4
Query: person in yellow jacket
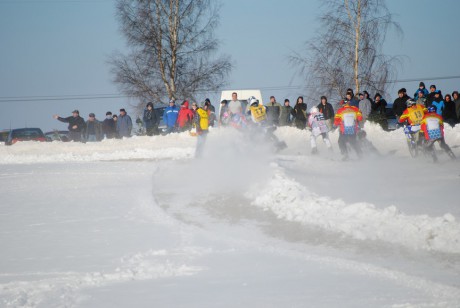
pixel 201 124
pixel 258 113
pixel 413 116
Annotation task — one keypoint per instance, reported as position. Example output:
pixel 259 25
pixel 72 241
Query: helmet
pixel 252 101
pixel 314 109
pixel 431 109
pixel 410 102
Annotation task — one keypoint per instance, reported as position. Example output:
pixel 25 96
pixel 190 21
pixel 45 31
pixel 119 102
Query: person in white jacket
pixel 318 126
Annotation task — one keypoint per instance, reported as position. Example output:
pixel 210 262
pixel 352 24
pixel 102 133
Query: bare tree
pixel 171 44
pixel 347 50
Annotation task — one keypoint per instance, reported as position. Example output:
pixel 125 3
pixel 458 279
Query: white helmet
pixel 253 101
pixel 314 109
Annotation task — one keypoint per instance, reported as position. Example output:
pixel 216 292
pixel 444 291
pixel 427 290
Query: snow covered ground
pixel 141 223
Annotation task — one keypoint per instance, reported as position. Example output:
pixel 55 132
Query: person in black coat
pixel 379 104
pixel 430 96
pixel 400 104
pixel 76 125
pixel 150 120
pixel 109 127
pixel 449 114
pixel 327 110
pixel 300 113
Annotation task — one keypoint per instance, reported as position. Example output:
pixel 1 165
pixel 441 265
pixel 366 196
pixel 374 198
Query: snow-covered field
pixel 142 223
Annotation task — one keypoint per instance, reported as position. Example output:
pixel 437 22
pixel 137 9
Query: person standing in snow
pixel 93 129
pixel 318 127
pixel 223 113
pixel 365 107
pixel 124 124
pixel 300 113
pixel 347 119
pixel 285 114
pixel 184 117
pixel 430 96
pixel 327 110
pixel 273 111
pixel 201 124
pixel 150 120
pixel 234 106
pixel 76 125
pixel 170 117
pixel 209 105
pixel 379 104
pixel 421 89
pixel 421 99
pixel 109 126
pixel 210 110
pixel 399 105
pixel 438 102
pixel 456 99
pixel 449 115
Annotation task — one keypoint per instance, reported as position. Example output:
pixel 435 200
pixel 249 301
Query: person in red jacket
pixel 432 127
pixel 185 117
pixel 347 119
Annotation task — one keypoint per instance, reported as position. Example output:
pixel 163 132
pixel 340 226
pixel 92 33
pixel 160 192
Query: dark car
pixel 57 135
pixel 25 134
pixel 390 117
pixel 4 134
pixel 386 120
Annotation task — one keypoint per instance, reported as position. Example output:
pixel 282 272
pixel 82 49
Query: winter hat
pixel 421 84
pixel 150 104
pixel 76 111
pixel 402 90
pixel 377 95
pixel 108 113
pixel 433 86
pixel 207 101
pixel 92 115
pixel 123 110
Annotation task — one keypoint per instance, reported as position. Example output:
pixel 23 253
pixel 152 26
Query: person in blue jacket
pixel 421 88
pixel 124 124
pixel 170 116
pixel 438 102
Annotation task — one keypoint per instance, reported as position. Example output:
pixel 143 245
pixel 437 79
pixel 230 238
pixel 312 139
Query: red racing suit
pixel 348 118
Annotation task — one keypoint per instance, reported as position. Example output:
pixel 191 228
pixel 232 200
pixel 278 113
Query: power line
pixel 4 99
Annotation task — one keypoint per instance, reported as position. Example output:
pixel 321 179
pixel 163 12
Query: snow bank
pixel 291 201
pixel 181 146
pixel 173 146
pixel 153 264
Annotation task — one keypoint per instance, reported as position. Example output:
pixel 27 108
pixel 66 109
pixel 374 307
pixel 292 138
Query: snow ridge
pixel 291 201
pixel 64 287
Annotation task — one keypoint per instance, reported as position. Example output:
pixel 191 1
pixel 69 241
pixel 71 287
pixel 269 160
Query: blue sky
pixel 59 48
